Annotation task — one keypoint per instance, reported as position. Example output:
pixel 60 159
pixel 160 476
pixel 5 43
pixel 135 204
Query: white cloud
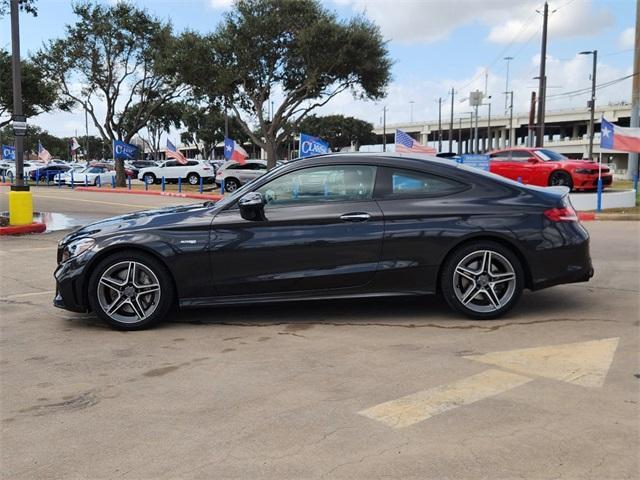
pixel 414 21
pixel 627 38
pixel 220 4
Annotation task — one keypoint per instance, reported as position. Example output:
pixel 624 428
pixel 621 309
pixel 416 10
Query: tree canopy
pixel 39 93
pixel 122 59
pixel 294 53
pixel 339 131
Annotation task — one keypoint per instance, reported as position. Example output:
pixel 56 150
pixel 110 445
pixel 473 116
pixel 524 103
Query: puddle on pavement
pixel 60 221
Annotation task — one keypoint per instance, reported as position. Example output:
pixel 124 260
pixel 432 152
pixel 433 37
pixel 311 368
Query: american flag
pixel 406 144
pixel 43 153
pixel 172 152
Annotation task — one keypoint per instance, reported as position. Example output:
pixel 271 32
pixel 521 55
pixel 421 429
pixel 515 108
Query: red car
pixel 543 167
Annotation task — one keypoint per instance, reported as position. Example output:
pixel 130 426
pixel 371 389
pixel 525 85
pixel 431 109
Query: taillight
pixel 564 214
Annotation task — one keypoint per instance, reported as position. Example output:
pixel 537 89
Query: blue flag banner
pixel 8 152
pixel 310 145
pixel 475 161
pixel 124 150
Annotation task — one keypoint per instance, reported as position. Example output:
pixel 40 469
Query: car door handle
pixel 355 217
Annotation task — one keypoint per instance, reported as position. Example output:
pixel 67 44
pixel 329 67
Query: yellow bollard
pixel 20 207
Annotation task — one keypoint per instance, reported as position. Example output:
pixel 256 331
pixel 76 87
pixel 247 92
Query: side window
pixel 501 156
pixel 334 183
pixel 410 183
pixel 520 156
pixel 192 163
pixel 171 164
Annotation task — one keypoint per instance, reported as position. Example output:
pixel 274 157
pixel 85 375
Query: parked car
pixel 28 167
pixel 544 167
pixel 326 227
pixel 171 170
pixel 48 173
pixel 235 174
pixel 91 175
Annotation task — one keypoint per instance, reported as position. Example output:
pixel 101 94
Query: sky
pixel 436 45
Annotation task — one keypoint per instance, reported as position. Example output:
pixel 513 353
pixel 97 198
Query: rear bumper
pixel 562 258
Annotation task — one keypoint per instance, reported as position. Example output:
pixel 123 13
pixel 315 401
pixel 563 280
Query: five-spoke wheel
pixel 130 290
pixel 482 280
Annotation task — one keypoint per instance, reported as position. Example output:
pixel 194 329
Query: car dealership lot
pixel 349 389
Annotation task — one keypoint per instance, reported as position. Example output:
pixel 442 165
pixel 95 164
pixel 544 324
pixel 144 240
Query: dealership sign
pixel 475 161
pixel 310 145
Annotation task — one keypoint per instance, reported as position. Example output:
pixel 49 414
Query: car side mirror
pixel 252 206
pixel 532 160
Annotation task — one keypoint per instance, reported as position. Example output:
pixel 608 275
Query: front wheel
pixel 483 280
pixel 561 179
pixel 130 290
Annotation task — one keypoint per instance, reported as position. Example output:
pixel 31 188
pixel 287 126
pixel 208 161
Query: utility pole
pixel 632 166
pixel 476 147
pixel 592 102
pixel 86 134
pixel 506 87
pixel 532 120
pixel 20 200
pixel 384 128
pixel 440 124
pixel 489 126
pixel 453 92
pixel 542 80
pixel 411 102
pixel 470 142
pixel 510 136
pixel 460 136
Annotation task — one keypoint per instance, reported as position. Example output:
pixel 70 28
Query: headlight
pixel 77 247
pixel 585 170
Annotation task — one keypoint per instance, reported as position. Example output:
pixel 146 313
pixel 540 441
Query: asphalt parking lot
pixel 366 389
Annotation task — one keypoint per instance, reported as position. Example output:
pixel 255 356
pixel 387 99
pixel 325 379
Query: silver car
pixel 236 175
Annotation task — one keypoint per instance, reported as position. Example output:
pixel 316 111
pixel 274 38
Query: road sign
pixel 475 98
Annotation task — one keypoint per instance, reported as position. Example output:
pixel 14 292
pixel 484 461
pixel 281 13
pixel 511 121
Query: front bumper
pixel 70 286
pixel 590 181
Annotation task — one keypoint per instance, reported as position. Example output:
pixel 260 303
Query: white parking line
pixel 22 295
pixel 25 250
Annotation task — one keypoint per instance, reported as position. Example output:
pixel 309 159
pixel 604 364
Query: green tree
pixel 204 125
pixel 292 52
pixel 39 93
pixel 339 131
pixel 122 58
pixel 28 6
pixel 166 116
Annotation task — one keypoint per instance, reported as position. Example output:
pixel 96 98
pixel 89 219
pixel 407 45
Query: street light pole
pixel 384 128
pixel 20 200
pixel 506 88
pixel 440 124
pixel 542 78
pixel 592 102
pixel 453 92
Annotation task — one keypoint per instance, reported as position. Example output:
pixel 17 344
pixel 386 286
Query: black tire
pixel 193 179
pixel 231 184
pixel 149 178
pixel 561 178
pixel 161 307
pixel 451 288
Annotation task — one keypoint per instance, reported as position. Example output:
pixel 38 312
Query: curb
pixel 35 227
pixel 199 196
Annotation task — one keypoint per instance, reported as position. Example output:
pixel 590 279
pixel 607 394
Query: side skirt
pixel 272 298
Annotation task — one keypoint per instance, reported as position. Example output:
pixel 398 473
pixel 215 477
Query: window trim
pixel 379 192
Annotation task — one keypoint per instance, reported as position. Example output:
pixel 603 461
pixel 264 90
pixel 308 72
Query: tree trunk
pixel 272 153
pixel 121 180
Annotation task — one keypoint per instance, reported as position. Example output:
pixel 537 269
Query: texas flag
pixel 614 137
pixel 233 151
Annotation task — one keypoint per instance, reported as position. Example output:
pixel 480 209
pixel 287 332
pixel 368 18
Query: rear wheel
pixel 231 184
pixel 483 280
pixel 193 179
pixel 560 179
pixel 130 290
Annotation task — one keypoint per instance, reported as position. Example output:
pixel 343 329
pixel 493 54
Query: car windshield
pixel 549 155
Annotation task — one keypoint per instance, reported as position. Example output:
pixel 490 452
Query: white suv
pixel 172 170
pixel 235 174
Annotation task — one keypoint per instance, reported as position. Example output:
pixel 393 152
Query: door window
pixel 520 155
pixel 410 183
pixel 334 183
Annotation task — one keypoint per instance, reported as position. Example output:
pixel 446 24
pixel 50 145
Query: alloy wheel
pixel 484 281
pixel 128 292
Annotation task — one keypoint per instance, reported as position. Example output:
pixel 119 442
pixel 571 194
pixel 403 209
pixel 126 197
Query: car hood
pixel 146 219
pixel 579 163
